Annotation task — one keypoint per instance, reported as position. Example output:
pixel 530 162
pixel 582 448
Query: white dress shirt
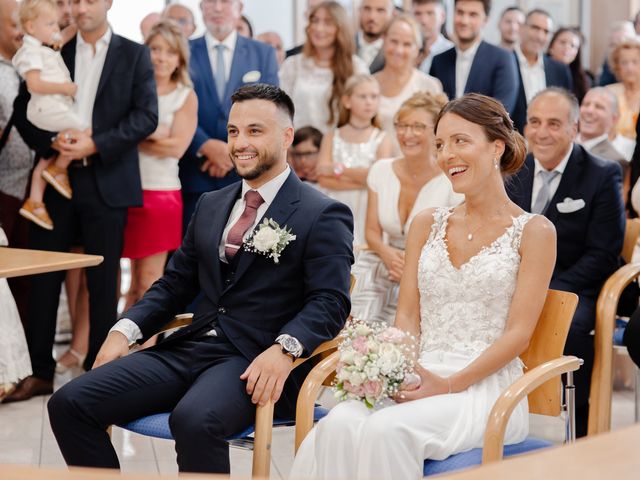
pixel 533 77
pixel 88 70
pixel 553 184
pixel 367 51
pixel 464 60
pixel 229 48
pixel 439 46
pixel 624 145
pixel 268 192
pixel 589 144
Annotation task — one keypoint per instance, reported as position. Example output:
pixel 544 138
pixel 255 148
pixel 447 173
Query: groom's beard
pixel 266 161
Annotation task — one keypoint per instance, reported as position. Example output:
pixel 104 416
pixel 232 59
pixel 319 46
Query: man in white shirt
pixel 511 21
pixel 581 195
pixel 375 16
pixel 431 16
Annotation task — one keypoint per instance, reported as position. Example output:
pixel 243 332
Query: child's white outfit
pixel 52 112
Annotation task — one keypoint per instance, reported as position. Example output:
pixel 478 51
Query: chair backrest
pixel 631 234
pixel 547 343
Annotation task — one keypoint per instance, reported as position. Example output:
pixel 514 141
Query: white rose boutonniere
pixel 269 239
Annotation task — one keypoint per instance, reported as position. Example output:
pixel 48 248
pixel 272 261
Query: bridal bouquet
pixel 374 361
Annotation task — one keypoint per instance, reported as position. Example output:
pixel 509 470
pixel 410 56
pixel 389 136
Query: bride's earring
pixel 496 163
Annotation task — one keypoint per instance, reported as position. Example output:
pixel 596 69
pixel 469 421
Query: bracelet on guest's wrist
pixel 338 169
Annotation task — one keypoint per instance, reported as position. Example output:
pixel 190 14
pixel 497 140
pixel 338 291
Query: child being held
pixel 51 106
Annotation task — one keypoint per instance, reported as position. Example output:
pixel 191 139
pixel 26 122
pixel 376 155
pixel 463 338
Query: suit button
pixel 222 310
pixel 227 281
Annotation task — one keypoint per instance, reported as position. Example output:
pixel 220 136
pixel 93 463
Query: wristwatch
pixel 290 345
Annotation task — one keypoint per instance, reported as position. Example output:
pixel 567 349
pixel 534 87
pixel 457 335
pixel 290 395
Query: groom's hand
pixel 266 375
pixel 115 346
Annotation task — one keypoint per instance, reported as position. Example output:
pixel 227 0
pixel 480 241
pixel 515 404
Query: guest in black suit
pixel 117 96
pixel 256 314
pixel 536 71
pixel 581 195
pixel 473 65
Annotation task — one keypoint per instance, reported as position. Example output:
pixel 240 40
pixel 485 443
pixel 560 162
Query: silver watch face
pixel 289 344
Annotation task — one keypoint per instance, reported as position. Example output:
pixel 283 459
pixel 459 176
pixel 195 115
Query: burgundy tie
pixel 234 238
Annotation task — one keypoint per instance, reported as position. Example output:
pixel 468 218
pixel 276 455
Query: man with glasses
pixel 537 71
pixel 221 62
pixel 183 16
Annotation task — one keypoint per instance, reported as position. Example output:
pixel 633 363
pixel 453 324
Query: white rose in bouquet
pixel 390 358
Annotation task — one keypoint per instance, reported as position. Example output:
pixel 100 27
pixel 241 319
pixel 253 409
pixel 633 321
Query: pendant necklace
pixel 471 234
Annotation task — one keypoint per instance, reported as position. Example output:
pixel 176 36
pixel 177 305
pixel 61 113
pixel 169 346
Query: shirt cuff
pixel 129 329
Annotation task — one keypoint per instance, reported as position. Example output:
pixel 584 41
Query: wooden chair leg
pixel 262 441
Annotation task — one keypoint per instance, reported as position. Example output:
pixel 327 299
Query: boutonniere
pixel 269 239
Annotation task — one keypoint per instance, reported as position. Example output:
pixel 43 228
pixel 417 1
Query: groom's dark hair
pixel 263 91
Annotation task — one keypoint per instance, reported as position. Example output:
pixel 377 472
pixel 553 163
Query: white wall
pixel 125 16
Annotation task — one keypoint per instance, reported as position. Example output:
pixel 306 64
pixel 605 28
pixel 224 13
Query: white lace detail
pixel 464 310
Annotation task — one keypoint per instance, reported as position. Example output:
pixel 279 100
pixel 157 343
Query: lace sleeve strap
pixel 518 229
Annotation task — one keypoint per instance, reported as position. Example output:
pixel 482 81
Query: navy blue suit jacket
pixel 125 112
pixel 493 73
pixel 305 295
pixel 248 56
pixel 556 74
pixel 589 239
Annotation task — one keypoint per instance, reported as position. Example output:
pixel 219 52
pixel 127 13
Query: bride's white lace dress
pixel 463 311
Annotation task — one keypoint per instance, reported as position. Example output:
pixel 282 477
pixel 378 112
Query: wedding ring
pixel 401 395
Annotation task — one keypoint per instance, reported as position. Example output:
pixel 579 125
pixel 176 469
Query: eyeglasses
pixel 416 128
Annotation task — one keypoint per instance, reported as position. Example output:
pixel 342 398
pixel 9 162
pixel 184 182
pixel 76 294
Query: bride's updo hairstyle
pixel 490 114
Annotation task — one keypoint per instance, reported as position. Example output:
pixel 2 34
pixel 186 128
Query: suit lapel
pixel 219 222
pixel 476 68
pixel 69 56
pixel 202 67
pixel 282 207
pixel 109 62
pixel 449 77
pixel 567 182
pixel 237 70
pixel 523 184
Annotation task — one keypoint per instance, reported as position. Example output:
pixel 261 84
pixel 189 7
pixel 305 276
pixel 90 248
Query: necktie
pixel 544 195
pixel 235 236
pixel 220 76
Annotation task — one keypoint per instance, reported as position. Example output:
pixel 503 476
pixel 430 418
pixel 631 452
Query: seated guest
pixel 566 47
pixel 475 66
pixel 155 228
pixel 537 71
pixel 315 78
pixel 347 153
pixel 621 30
pixel 511 21
pixel 399 79
pixel 254 318
pixel 581 194
pixel 625 63
pixel 399 188
pixel 303 154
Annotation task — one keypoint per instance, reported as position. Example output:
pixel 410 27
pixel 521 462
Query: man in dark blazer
pixel 536 71
pixel 581 195
pixel 117 97
pixel 257 314
pixel 484 68
pixel 206 165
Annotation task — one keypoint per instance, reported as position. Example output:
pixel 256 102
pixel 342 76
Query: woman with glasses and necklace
pixel 399 188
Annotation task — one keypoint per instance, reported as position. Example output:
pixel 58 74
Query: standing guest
pixel 347 153
pixel 536 70
pixel 474 65
pixel 156 228
pixel 620 31
pixel 399 79
pixel 511 21
pixel 64 13
pixel 581 195
pixel 431 15
pixel 244 27
pixel 304 152
pixel 275 40
pixel 315 78
pixel 375 16
pixel 625 64
pixel 16 160
pixel 566 47
pixel 398 189
pixel 117 96
pixel 147 23
pixel 221 62
pixel 183 16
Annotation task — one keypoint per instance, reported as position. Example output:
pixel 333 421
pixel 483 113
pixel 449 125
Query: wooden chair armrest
pixel 512 395
pixel 601 377
pixel 262 441
pixel 327 346
pixel 308 395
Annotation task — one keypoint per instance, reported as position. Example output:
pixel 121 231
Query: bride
pixel 475 281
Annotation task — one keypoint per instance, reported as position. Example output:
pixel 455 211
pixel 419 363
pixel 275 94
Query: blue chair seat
pixel 473 457
pixel 157 425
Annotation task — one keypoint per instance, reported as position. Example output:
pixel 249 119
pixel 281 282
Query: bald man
pixel 275 40
pixel 183 16
pixel 148 22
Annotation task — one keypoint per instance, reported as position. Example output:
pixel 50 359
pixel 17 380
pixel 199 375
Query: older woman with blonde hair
pixel 624 60
pixel 399 79
pixel 315 79
pixel 399 188
pixel 156 228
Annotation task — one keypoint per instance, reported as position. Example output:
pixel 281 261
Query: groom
pixel 255 317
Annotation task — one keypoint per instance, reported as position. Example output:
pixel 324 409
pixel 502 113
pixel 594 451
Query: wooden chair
pixel 606 314
pixel 541 383
pixel 158 425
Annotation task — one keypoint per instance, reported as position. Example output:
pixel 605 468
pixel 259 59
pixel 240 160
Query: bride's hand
pixel 431 384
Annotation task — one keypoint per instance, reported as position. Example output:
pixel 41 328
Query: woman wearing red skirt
pixel 156 228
